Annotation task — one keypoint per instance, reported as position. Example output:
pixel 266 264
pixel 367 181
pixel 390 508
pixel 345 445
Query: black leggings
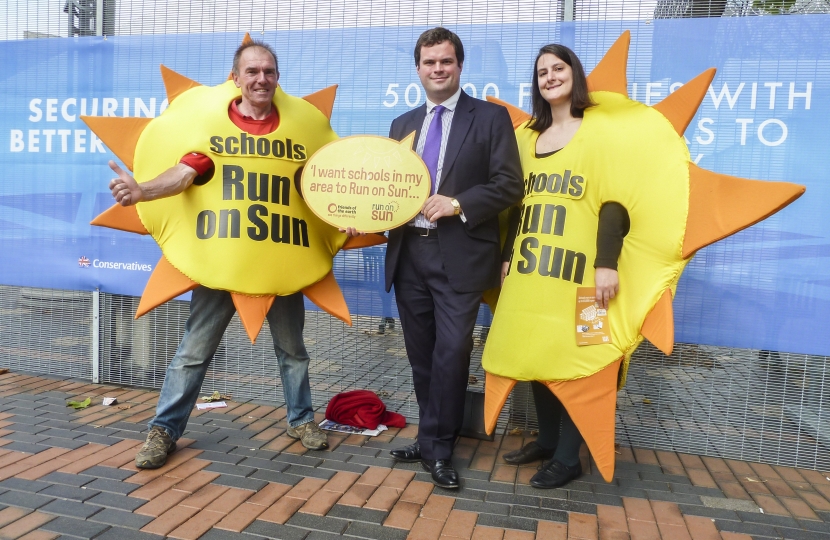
pixel 556 429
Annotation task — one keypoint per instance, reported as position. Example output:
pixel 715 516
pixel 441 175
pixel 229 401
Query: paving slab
pixel 257 488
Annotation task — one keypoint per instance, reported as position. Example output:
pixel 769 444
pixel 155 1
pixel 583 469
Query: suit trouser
pixel 438 327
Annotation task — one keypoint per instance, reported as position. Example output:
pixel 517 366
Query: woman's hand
pixel 505 266
pixel 607 283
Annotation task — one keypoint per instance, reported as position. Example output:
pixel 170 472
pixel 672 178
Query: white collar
pixel 449 103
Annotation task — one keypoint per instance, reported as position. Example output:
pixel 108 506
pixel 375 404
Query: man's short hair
pixel 253 43
pixel 438 35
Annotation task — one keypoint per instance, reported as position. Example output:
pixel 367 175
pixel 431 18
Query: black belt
pixel 422 231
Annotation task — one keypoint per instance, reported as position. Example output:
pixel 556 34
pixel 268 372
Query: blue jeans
pixel 210 313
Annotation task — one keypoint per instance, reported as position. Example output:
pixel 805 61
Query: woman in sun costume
pixel 559 100
pixel 634 155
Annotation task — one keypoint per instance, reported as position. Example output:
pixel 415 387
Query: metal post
pixel 70 18
pixel 99 17
pixel 96 311
pixel 568 12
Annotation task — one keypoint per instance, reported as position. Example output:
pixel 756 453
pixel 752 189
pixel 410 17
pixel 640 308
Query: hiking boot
pixel 155 451
pixel 310 435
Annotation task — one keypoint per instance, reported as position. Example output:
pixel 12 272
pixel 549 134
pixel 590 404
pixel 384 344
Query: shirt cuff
pixel 605 263
pixel 198 162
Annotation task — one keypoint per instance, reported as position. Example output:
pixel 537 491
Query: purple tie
pixel 432 147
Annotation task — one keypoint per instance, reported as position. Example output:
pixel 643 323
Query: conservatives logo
pixel 83 262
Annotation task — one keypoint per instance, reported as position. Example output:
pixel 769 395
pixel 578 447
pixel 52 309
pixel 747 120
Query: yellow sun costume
pixel 247 230
pixel 635 155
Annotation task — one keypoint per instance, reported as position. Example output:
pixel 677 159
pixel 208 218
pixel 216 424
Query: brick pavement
pixel 237 476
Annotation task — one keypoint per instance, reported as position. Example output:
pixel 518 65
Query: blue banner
pixel 764 117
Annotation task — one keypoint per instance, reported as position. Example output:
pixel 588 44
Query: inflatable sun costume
pixel 247 230
pixel 633 154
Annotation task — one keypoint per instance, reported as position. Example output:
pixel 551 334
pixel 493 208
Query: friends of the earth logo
pixel 348 211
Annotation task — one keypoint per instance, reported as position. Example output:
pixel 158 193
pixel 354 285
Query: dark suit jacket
pixel 482 171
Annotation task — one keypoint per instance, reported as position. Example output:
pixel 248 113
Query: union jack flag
pixel 83 262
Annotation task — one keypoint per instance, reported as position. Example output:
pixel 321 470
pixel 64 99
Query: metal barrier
pixel 760 406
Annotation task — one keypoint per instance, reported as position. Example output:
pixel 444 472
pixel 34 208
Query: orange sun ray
pixel 245 40
pixel 680 106
pixel 323 99
pixel 658 327
pixel 252 311
pixel 517 116
pixel 175 84
pixel 496 391
pixel 591 403
pixel 165 284
pixel 721 205
pixel 609 74
pixel 119 134
pixel 369 240
pixel 123 218
pixel 326 295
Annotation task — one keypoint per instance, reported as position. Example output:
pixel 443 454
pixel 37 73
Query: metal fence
pixel 743 404
pixel 50 18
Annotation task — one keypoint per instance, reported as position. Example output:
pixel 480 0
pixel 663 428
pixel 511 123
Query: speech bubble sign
pixel 367 182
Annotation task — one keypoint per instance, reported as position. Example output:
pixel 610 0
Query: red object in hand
pixel 362 408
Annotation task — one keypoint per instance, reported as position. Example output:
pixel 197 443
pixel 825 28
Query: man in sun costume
pixel 635 155
pixel 232 226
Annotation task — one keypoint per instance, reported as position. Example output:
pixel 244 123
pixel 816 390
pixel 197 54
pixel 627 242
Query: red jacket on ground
pixel 362 408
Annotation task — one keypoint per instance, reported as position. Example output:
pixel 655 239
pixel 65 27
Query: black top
pixel 546 154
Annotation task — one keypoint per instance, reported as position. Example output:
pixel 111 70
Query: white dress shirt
pixel 446 124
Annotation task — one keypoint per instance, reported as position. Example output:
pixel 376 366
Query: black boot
pixel 553 474
pixel 527 454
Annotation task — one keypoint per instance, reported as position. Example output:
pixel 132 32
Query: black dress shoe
pixel 553 474
pixel 528 454
pixel 442 471
pixel 407 454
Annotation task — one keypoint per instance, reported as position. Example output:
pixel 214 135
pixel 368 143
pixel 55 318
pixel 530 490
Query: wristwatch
pixel 455 206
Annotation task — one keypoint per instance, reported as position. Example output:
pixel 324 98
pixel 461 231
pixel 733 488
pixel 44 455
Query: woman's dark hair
pixel 580 100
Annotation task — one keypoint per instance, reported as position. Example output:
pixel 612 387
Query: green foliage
pixel 773 7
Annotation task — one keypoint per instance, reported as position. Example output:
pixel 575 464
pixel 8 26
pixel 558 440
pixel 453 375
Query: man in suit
pixel 442 261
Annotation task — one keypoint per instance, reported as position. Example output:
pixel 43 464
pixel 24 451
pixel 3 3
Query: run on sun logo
pixel 83 262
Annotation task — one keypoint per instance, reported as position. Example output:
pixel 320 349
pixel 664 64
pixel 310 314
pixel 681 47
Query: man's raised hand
pixel 125 190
